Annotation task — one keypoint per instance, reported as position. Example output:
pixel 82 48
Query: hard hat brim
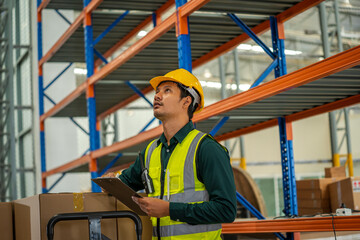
pixel 157 80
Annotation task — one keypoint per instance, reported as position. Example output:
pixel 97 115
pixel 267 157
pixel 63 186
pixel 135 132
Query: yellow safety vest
pixel 180 185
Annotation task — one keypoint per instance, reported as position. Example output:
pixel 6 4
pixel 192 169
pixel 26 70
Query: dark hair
pixel 184 93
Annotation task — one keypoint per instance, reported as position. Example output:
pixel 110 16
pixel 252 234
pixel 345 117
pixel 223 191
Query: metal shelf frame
pixel 8 172
pixel 334 116
pixel 16 125
pixel 283 84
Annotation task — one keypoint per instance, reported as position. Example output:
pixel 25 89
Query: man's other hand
pixel 110 174
pixel 152 206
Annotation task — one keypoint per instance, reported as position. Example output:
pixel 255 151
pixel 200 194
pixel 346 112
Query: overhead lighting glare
pixel 217 85
pixel 244 87
pixel 255 48
pixel 292 52
pixel 142 33
pixel 207 73
pixel 80 71
pixel 244 47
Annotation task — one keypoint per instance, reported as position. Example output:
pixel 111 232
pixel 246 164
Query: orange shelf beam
pixel 123 104
pixel 67 34
pixel 190 7
pixel 68 99
pixel 141 137
pixel 346 102
pixel 148 20
pixel 43 5
pixel 247 130
pixel 334 64
pixel 293 117
pixel 313 224
pixel 144 136
pixel 259 29
pixel 68 166
pixel 92 5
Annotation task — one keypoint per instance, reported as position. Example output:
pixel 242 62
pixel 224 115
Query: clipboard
pixel 121 191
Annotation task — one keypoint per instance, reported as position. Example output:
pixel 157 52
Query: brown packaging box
pixel 310 194
pixel 6 221
pixel 314 203
pixel 126 227
pixel 335 172
pixel 315 186
pixel 33 213
pixel 314 196
pixel 346 191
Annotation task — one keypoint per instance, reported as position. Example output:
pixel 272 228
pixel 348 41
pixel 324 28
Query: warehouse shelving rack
pixel 321 87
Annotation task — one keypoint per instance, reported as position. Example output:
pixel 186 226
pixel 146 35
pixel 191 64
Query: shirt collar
pixel 179 136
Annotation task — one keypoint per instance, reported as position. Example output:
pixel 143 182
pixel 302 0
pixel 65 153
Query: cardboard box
pixel 126 227
pixel 314 196
pixel 346 191
pixel 320 183
pixel 310 194
pixel 314 203
pixel 6 221
pixel 316 185
pixel 33 213
pixel 335 172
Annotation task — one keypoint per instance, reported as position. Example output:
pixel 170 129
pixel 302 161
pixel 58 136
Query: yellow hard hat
pixel 185 78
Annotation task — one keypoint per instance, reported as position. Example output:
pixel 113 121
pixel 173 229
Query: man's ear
pixel 187 101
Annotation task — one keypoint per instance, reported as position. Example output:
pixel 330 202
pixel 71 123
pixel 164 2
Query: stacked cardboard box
pixel 6 221
pixel 335 172
pixel 32 215
pixel 345 191
pixel 313 196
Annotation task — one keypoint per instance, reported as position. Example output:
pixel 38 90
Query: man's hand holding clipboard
pixel 152 207
pixel 121 191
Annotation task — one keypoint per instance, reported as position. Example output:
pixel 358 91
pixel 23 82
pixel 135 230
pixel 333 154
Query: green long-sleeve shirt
pixel 214 170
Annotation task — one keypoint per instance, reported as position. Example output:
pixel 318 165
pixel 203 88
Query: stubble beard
pixel 158 115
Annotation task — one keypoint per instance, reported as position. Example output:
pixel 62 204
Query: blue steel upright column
pixel 90 95
pixel 183 38
pixel 285 130
pixel 41 100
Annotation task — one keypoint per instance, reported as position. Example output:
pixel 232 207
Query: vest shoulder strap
pixel 148 152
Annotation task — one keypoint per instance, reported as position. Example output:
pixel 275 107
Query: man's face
pixel 167 102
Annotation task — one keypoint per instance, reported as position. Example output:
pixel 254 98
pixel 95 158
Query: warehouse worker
pixel 194 188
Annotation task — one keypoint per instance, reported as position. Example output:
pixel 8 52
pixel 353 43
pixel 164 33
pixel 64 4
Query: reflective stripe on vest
pixel 184 229
pixel 190 189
